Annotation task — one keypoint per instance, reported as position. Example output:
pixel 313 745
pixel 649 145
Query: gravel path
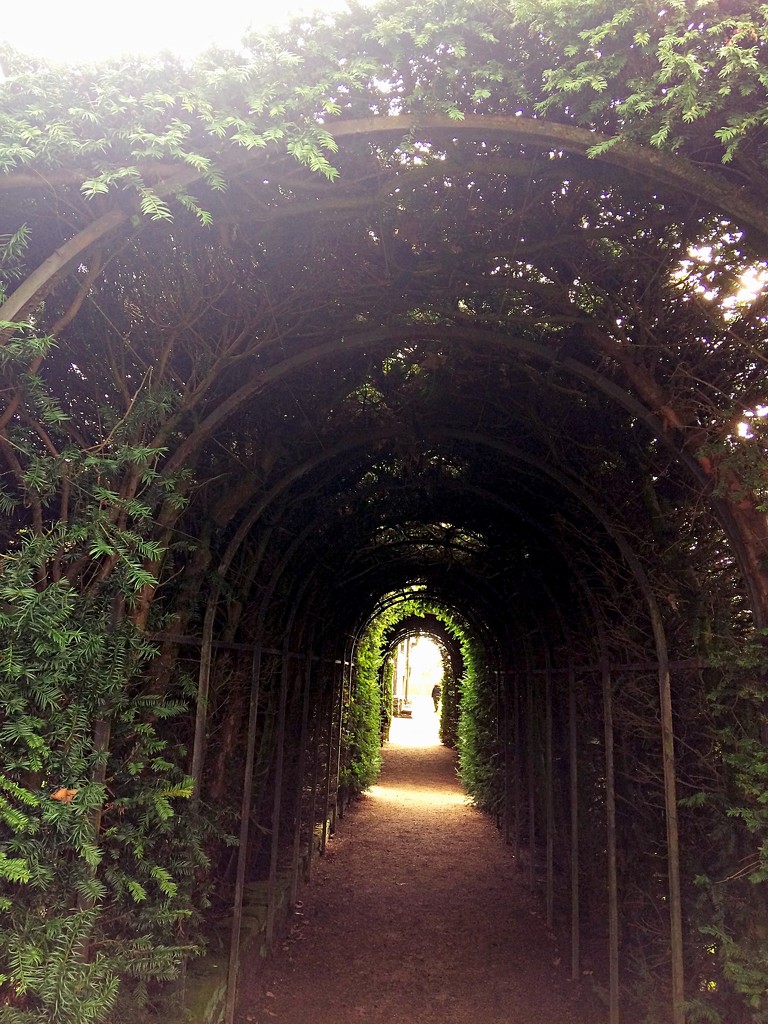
pixel 416 914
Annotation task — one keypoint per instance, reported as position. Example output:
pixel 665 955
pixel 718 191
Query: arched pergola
pixel 266 366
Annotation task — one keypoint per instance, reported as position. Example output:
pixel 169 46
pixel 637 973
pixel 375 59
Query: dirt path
pixel 416 914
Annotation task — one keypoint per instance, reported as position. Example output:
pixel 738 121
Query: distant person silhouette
pixel 436 693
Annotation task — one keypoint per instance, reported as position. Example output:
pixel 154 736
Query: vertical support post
pixel 277 804
pixel 242 853
pixel 670 800
pixel 670 787
pixel 296 865
pixel 329 764
pixel 517 765
pixel 530 740
pixel 610 817
pixel 203 687
pixel 673 844
pixel 549 790
pixel 498 742
pixel 668 752
pixel 346 670
pixel 573 760
pixel 315 781
pixel 407 665
pixel 507 762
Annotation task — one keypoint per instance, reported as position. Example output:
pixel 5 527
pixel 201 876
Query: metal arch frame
pixel 457 336
pixel 673 172
pixel 676 173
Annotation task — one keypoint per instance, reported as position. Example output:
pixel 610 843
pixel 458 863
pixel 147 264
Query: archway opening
pixel 418 669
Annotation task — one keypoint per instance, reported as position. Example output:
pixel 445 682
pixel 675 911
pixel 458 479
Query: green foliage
pixel 461 698
pixel 12 248
pixel 361 757
pixel 47 970
pixel 98 867
pixel 122 122
pixel 478 743
pixel 691 71
pixel 97 885
pixel 385 698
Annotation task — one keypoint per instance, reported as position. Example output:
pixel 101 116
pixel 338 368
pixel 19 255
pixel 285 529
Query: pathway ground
pixel 416 915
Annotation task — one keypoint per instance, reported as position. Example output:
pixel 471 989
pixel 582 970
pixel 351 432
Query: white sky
pixel 66 32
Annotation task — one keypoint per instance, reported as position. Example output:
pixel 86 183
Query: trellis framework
pixel 449 337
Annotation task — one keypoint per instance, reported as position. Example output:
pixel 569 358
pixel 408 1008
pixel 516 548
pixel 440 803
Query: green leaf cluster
pixel 90 826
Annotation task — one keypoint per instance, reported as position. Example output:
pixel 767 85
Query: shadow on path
pixel 416 914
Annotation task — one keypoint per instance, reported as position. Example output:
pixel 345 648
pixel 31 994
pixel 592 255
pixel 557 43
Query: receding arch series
pixel 490 376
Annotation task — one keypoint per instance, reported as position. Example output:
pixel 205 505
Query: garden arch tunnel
pixel 460 546
pixel 480 371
